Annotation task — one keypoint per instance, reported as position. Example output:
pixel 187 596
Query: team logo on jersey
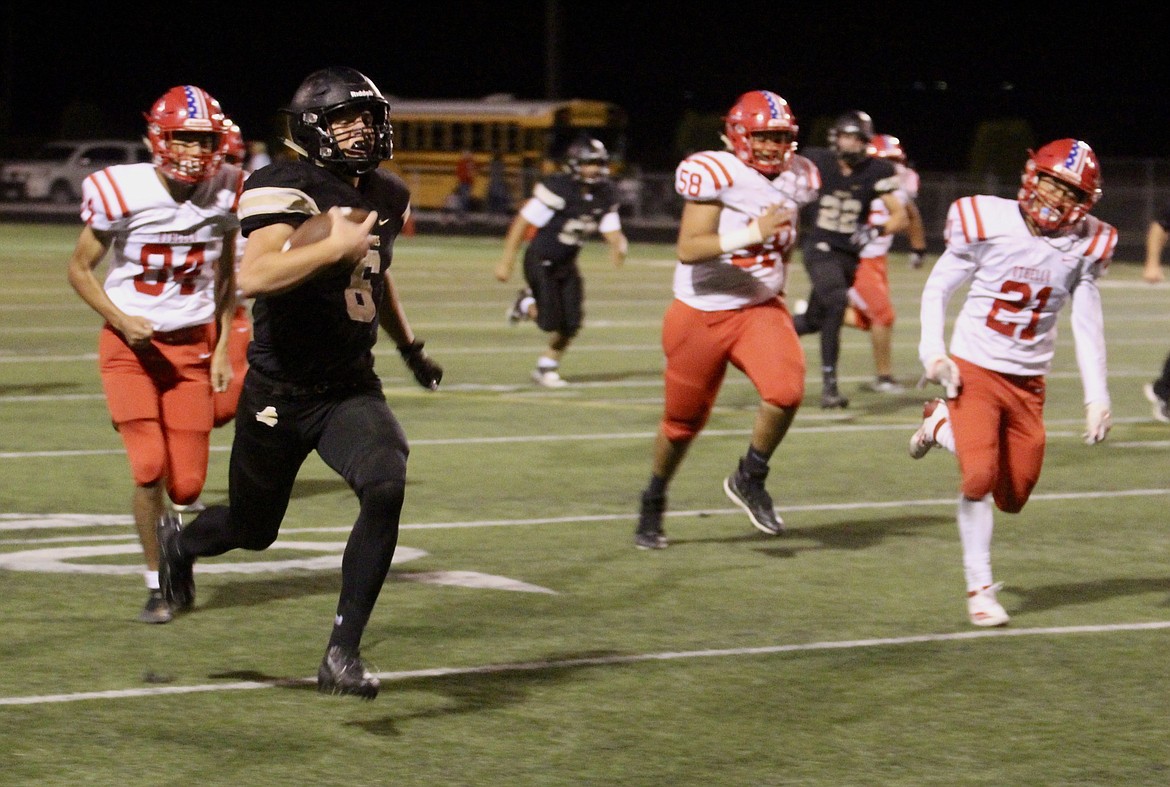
pixel 267 416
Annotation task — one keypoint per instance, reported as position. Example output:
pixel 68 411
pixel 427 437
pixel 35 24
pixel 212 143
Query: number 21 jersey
pixel 1019 282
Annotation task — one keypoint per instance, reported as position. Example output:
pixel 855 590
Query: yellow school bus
pixel 528 137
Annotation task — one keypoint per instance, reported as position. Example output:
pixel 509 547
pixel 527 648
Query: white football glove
pixel 863 235
pixel 944 371
pixel 1098 421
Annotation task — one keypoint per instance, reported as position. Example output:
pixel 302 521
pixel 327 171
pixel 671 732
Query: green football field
pixel 523 640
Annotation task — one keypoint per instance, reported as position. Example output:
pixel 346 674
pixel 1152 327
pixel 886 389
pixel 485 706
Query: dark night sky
pixel 1088 77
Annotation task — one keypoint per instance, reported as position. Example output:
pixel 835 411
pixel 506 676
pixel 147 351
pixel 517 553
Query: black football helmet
pixel 857 123
pixel 587 150
pixel 336 90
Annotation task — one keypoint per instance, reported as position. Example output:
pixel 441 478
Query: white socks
pixel 945 436
pixel 975 526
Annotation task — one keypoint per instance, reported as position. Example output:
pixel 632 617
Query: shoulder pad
pixel 1100 239
pixel 979 217
pixel 548 194
pixel 704 175
pixel 801 181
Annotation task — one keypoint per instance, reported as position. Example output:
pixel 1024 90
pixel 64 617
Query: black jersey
pixel 577 210
pixel 843 204
pixel 324 329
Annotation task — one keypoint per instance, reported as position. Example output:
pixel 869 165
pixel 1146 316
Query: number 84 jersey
pixel 1019 282
pixel 757 273
pixel 164 253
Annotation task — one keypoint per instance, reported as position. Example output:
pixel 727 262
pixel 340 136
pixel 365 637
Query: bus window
pixel 530 135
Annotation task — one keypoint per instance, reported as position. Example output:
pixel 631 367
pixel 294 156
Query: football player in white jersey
pixel 170 226
pixel 737 232
pixel 870 307
pixel 1023 260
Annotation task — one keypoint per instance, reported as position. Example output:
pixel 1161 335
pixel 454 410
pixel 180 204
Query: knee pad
pixel 682 430
pixel 184 490
pixel 977 486
pixel 145 450
pixel 383 498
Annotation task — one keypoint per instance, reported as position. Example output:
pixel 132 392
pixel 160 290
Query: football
pixel 317 227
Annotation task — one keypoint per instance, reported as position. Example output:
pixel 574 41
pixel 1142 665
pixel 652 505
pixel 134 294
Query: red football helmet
pixel 887 146
pixel 190 110
pixel 760 111
pixel 1071 162
pixel 233 149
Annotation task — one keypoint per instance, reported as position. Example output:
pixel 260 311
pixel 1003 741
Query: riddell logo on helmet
pixel 361 94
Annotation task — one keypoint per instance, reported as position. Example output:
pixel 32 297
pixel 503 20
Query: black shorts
pixel 559 292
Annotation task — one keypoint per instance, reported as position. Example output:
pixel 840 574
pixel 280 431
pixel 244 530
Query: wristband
pixel 741 238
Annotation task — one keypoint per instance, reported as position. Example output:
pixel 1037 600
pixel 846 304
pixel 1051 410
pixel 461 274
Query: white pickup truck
pixel 55 173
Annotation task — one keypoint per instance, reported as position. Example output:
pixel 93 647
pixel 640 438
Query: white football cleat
pixel 984 609
pixel 548 378
pixel 934 414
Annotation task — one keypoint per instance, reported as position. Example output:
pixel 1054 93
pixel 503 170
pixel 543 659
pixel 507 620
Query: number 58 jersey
pixel 757 273
pixel 1019 282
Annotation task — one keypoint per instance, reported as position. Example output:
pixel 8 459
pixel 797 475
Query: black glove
pixel 427 372
pixel 863 235
pixel 917 258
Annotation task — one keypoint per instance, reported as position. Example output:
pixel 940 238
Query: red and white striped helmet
pixel 234 151
pixel 1071 162
pixel 754 112
pixel 887 146
pixel 189 109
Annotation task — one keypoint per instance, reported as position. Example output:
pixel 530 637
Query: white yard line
pixel 599 661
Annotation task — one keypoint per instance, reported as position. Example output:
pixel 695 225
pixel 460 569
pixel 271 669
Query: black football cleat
pixel 176 572
pixel 342 672
pixel 649 534
pixel 156 610
pixel 749 494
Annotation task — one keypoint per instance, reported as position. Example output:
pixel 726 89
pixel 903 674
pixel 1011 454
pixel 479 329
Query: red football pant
pixel 241 335
pixel 160 401
pixel 998 421
pixel 760 341
pixel 870 293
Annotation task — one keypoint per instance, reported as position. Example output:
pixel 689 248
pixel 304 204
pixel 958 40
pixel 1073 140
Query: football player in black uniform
pixel 311 383
pixel 564 208
pixel 834 229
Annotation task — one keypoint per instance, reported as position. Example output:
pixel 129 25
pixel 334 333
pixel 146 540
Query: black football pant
pixel 1162 384
pixel 559 292
pixel 831 273
pixel 356 434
